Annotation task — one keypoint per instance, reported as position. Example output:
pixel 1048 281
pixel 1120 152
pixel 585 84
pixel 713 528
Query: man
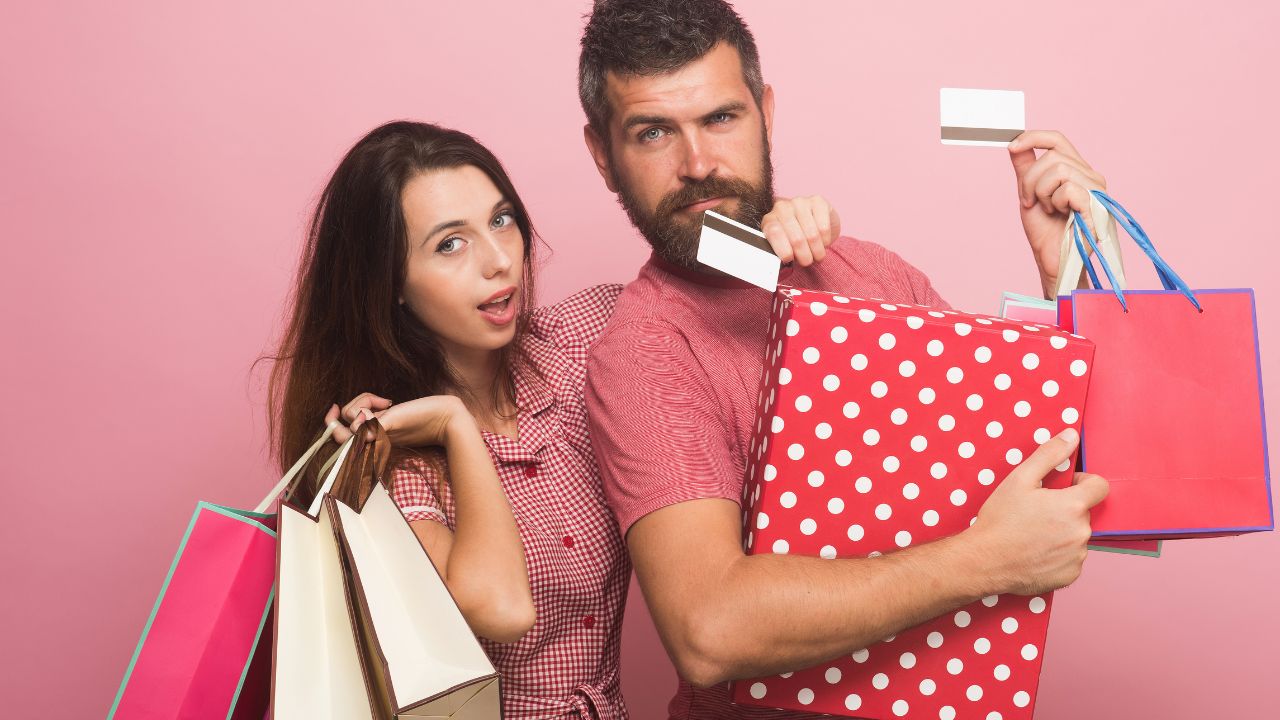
pixel 679 121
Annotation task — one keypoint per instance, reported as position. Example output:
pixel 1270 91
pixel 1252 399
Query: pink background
pixel 159 160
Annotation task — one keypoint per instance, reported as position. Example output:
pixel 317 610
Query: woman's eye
pixel 504 219
pixel 450 245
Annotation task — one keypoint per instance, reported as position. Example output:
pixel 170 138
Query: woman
pixel 416 284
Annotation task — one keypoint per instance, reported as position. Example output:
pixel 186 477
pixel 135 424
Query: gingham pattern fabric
pixel 566 666
pixel 672 389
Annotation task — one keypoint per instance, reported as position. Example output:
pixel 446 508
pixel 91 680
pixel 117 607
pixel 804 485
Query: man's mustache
pixel 693 192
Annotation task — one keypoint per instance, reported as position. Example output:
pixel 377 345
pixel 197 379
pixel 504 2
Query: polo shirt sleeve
pixel 910 281
pixel 922 290
pixel 656 428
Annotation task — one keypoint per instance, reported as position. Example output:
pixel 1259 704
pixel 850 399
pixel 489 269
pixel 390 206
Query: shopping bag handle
pixel 366 466
pixel 297 468
pixel 1168 278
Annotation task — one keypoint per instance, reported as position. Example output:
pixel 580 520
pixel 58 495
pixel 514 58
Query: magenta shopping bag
pixel 205 651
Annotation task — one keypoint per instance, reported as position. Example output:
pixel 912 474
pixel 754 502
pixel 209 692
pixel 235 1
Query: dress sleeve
pixel 414 485
pixel 573 324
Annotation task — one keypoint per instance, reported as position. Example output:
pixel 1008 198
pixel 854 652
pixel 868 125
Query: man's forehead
pixel 713 80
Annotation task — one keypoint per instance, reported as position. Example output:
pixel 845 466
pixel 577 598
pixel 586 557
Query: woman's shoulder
pixel 576 321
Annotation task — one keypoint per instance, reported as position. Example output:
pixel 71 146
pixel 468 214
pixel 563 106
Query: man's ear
pixel 600 154
pixel 766 108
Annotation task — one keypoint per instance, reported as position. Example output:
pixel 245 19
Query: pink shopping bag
pixel 205 651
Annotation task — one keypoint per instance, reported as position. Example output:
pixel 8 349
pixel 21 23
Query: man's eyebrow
pixel 635 120
pixel 450 224
pixel 729 107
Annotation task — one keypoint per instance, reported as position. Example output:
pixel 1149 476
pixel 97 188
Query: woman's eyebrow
pixel 447 225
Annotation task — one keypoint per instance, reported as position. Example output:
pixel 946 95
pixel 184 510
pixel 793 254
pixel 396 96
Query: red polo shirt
pixel 672 383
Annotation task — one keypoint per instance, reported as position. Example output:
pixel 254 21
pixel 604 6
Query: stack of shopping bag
pixel 881 426
pixel 330 609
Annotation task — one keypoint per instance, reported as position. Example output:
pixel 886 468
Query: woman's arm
pixel 482 560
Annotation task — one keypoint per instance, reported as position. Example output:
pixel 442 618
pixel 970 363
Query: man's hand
pixel 801 229
pixel 1050 187
pixel 1038 536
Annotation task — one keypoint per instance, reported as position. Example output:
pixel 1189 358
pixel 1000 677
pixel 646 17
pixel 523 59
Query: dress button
pixel 588 622
pixel 568 541
pixel 531 471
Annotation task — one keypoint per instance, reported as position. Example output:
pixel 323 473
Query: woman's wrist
pixel 460 426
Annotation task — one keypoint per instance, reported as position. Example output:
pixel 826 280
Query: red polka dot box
pixel 881 426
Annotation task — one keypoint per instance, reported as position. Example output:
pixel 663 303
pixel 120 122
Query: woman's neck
pixel 477 372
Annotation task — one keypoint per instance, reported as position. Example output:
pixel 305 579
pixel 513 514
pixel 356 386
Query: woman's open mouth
pixel 500 308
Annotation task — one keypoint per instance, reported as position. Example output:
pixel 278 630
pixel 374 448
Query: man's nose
pixel 697 162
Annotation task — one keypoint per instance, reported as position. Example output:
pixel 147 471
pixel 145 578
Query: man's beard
pixel 674 237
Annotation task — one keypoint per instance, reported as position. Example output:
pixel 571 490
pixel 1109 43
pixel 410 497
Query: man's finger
pixel 1071 197
pixel 1052 454
pixel 1091 489
pixel 1022 163
pixel 822 217
pixel 778 240
pixel 799 242
pixel 1057 176
pixel 1046 140
pixel 812 233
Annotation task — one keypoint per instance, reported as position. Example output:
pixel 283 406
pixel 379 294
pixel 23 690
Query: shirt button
pixel 588 622
pixel 531 471
pixel 568 541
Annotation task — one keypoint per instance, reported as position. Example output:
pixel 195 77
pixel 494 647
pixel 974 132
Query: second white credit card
pixel 990 118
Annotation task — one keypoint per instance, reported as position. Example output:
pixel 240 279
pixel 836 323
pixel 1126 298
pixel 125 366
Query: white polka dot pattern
pixel 910 419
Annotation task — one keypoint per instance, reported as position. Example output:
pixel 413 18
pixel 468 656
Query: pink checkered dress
pixel 566 666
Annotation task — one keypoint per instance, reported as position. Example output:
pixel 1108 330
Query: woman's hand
pixel 425 421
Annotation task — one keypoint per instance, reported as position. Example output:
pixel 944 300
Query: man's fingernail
pixel 1070 435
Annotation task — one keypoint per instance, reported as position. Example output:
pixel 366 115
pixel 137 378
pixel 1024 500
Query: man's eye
pixel 721 118
pixel 651 134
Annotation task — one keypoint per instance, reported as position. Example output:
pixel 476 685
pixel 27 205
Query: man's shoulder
pixel 863 267
pixel 644 311
pixel 636 329
pixel 868 257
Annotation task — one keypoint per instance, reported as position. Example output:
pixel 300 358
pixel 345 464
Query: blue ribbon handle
pixel 1168 278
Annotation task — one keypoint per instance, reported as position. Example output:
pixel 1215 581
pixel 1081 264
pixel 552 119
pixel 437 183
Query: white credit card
pixel 990 118
pixel 735 249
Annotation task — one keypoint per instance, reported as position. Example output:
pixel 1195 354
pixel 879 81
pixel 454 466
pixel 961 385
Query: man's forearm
pixel 776 613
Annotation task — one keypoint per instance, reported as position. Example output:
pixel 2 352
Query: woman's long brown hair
pixel 347 331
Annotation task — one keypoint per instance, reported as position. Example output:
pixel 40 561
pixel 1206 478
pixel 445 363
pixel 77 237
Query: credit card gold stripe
pixel 737 233
pixel 979 134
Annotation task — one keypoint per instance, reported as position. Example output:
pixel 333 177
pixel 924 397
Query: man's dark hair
pixel 654 37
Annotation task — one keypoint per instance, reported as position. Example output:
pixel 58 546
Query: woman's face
pixel 466 259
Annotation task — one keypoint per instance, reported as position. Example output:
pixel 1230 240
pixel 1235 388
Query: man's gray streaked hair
pixel 654 37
